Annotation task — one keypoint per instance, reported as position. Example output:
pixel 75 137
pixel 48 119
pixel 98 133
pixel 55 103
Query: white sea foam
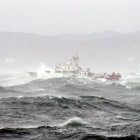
pixel 12 79
pixel 20 97
pixel 75 120
pixel 23 77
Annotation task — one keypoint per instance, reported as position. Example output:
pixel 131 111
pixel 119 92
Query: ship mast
pixel 75 62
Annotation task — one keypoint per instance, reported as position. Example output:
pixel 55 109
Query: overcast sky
pixel 54 17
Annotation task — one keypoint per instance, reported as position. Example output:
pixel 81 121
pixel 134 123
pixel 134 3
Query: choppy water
pixel 69 108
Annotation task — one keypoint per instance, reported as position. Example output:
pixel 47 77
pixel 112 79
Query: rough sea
pixel 69 108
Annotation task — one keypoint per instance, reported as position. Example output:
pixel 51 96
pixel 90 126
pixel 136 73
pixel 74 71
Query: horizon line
pixel 70 34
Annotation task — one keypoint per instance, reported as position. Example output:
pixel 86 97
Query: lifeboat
pixel 113 76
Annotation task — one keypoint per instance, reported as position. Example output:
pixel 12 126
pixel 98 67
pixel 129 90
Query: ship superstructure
pixel 70 67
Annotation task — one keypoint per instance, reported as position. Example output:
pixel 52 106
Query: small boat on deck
pixel 113 76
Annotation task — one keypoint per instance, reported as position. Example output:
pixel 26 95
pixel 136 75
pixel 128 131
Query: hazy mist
pixel 55 17
pixel 105 33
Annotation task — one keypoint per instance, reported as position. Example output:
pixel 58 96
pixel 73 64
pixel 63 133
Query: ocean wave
pixel 70 83
pixel 100 137
pixel 74 122
pixel 137 88
pixel 65 84
pixel 81 103
pixel 23 78
pixel 52 133
pixel 2 88
pixel 74 87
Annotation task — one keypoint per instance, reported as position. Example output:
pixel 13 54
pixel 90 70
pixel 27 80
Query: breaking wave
pixel 74 122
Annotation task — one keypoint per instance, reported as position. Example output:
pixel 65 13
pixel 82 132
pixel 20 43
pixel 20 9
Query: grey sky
pixel 53 17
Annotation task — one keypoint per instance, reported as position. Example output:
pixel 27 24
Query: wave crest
pixel 74 122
